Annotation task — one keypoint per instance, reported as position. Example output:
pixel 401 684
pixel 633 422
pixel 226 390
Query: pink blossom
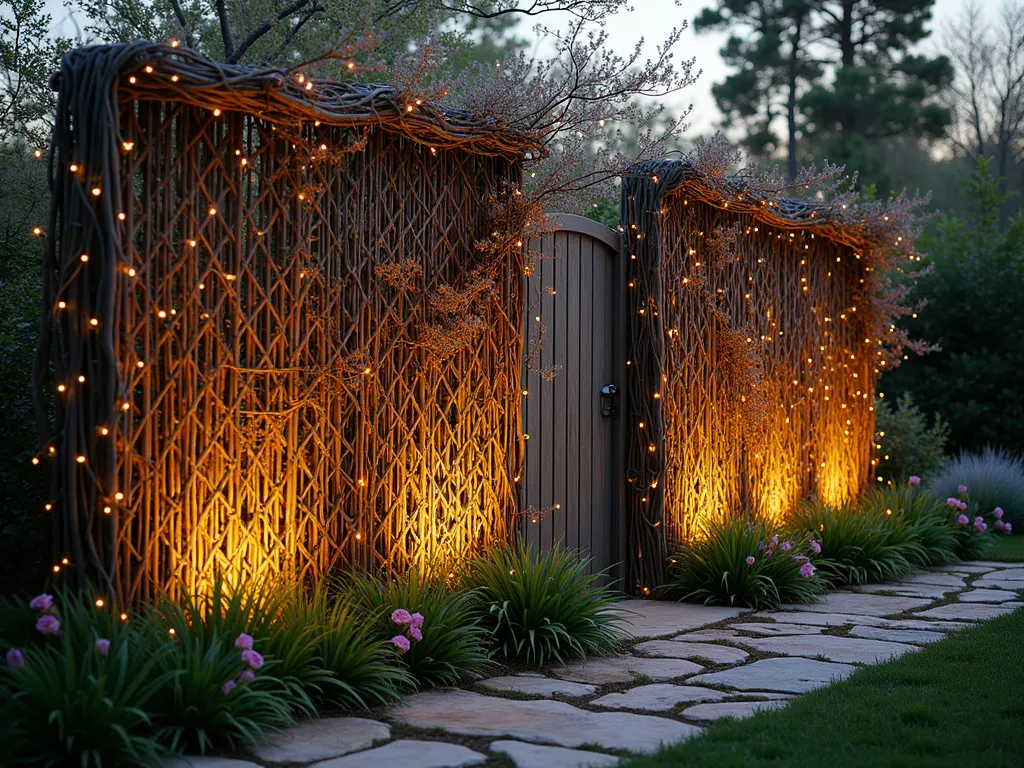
pixel 998 512
pixel 252 658
pixel 774 541
pixel 815 547
pixel 807 570
pixel 246 675
pixel 42 602
pixel 1008 528
pixel 962 506
pixel 953 503
pixel 979 524
pixel 416 620
pixel 244 642
pixel 769 552
pixel 1000 525
pixel 416 633
pixel 15 659
pixel 401 642
pixel 48 625
pixel 229 686
pixel 401 617
pixel 962 520
pixel 961 489
pixel 103 646
pixel 786 546
pixel 750 559
pixel 913 481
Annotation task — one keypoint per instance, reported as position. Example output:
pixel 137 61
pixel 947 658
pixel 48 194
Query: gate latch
pixel 608 394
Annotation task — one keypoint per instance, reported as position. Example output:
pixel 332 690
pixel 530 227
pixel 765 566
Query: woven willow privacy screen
pixel 244 277
pixel 752 374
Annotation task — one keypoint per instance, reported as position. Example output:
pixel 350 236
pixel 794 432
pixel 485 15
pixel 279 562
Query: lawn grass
pixel 959 702
pixel 1009 549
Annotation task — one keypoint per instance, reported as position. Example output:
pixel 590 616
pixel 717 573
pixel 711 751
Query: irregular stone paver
pixel 859 604
pixel 970 611
pixel 736 709
pixel 987 596
pixel 939 579
pixel 625 669
pixel 965 568
pixel 715 654
pixel 555 722
pixel 997 565
pixel 319 739
pixel 793 675
pixel 538 686
pixel 897 635
pixel 997 582
pixel 409 753
pixel 932 591
pixel 768 628
pixel 849 650
pixel 536 756
pixel 841 619
pixel 649 618
pixel 702 635
pixel 207 761
pixel 658 697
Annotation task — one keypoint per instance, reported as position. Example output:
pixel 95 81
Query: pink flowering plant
pixel 976 527
pixel 451 640
pixel 745 562
pixel 79 690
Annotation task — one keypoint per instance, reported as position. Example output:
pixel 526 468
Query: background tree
pixel 986 100
pixel 768 49
pixel 973 382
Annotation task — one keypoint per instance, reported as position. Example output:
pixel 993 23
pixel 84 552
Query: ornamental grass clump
pixel 79 692
pixel 859 545
pixel 744 562
pixel 995 477
pixel 438 647
pixel 926 521
pixel 543 606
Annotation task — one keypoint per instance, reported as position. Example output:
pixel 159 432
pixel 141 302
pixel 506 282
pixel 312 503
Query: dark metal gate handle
pixel 608 394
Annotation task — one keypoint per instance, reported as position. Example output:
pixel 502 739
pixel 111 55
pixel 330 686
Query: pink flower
pixel 416 620
pixel 774 541
pixel 246 676
pixel 961 489
pixel 401 642
pixel 786 546
pixel 244 642
pixel 48 625
pixel 913 481
pixel 998 512
pixel 769 552
pixel 42 602
pixel 252 658
pixel 103 646
pixel 229 686
pixel 979 524
pixel 962 520
pixel 1000 525
pixel 750 559
pixel 1008 528
pixel 401 617
pixel 953 503
pixel 15 659
pixel 416 633
pixel 815 547
pixel 807 570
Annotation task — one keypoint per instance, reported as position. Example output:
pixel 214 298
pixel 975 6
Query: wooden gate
pixel 573 474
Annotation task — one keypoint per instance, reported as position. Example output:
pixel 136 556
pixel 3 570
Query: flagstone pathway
pixel 687 665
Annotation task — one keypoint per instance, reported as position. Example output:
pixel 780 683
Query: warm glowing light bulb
pixel 56 569
pixel 61 387
pixel 37 154
pixel 94 322
pixel 99 602
pixel 37 231
pixel 216 113
pixel 118 495
pixel 73 168
pixel 80 459
pixel 96 191
pixel 212 211
pixel 35 459
pixel 128 146
pixel 124 617
pixel 64 561
pixel 104 431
